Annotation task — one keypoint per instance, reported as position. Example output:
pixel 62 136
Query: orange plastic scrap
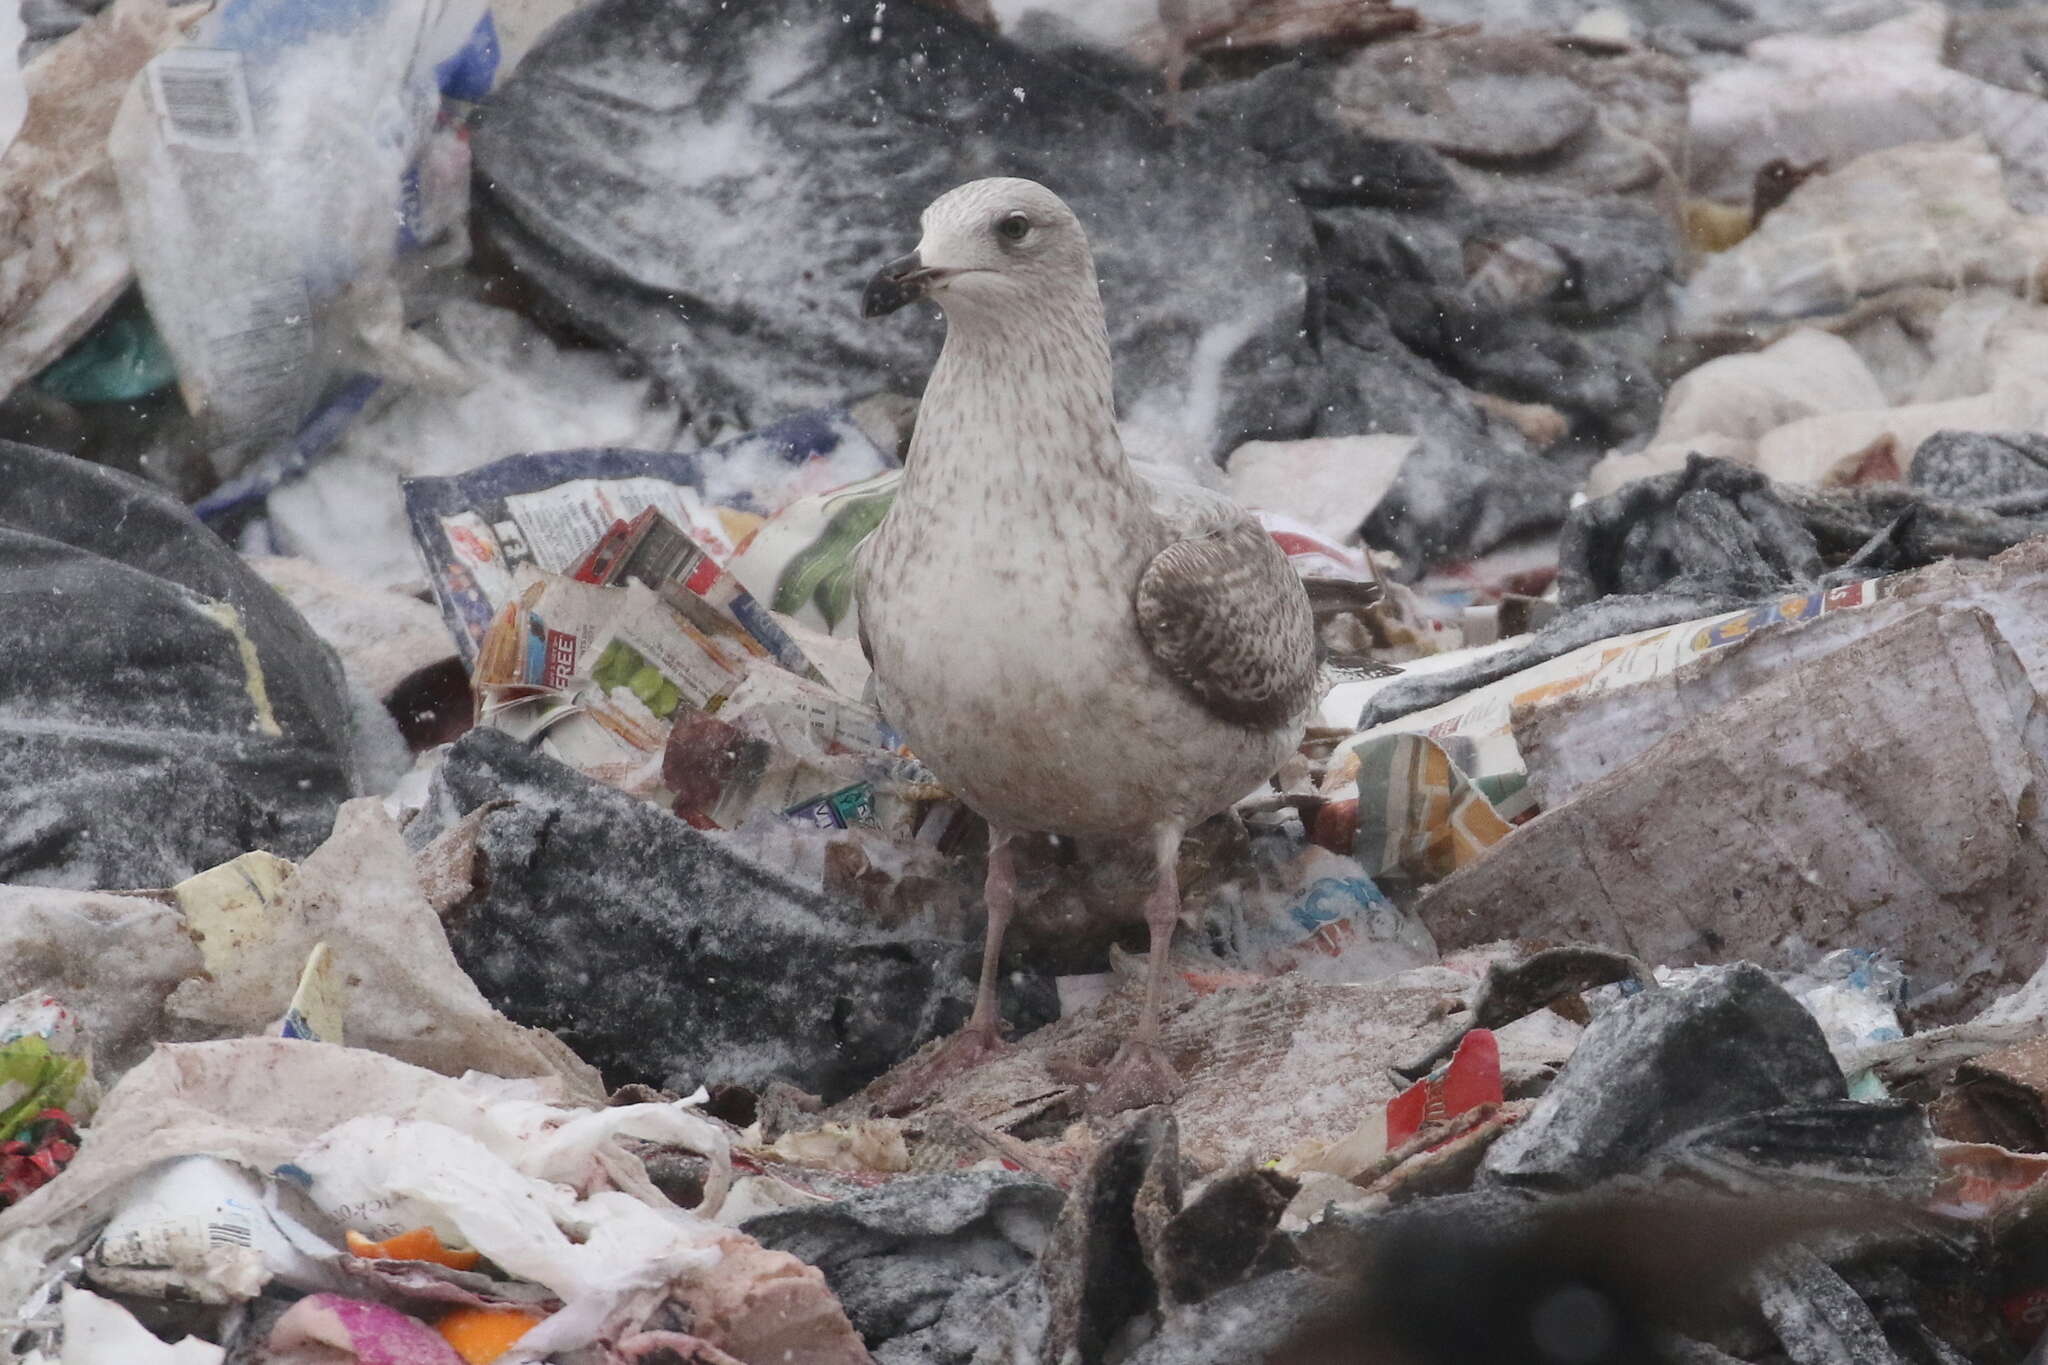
pixel 481 1335
pixel 421 1244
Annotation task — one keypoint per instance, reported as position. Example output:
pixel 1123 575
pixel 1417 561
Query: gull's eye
pixel 1013 228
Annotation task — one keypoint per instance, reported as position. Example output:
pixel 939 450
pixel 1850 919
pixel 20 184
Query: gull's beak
pixel 903 281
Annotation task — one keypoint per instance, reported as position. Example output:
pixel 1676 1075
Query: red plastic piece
pixel 32 1159
pixel 1471 1079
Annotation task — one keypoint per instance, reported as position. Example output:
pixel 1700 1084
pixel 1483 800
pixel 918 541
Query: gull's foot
pixel 1139 1075
pixel 916 1079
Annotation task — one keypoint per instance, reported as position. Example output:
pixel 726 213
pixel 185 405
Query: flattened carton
pixel 1476 731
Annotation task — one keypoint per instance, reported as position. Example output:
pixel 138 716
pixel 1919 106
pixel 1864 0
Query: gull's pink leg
pixel 999 896
pixel 981 1038
pixel 1140 1074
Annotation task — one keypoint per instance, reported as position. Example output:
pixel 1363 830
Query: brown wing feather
pixel 1225 614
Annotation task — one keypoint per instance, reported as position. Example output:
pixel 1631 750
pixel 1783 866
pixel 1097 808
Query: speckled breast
pixel 1021 679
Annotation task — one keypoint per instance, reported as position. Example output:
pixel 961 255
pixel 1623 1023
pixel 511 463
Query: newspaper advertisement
pixel 545 512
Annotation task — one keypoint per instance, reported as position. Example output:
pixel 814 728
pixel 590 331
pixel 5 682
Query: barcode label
pixel 229 1234
pixel 202 98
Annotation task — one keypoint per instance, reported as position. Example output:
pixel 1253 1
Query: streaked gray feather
pixel 1225 614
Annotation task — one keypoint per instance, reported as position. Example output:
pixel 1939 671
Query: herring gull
pixel 1071 645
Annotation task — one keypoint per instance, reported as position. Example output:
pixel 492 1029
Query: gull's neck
pixel 1020 412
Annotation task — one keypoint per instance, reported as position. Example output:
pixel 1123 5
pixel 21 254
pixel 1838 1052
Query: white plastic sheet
pixel 263 172
pixel 13 88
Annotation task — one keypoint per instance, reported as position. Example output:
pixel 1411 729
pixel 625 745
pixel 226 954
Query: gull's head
pixel 990 244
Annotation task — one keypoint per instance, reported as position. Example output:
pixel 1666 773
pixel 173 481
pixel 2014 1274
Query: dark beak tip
pixel 895 285
pixel 875 300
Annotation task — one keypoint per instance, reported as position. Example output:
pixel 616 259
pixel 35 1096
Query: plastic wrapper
pixel 202 1230
pixel 45 1061
pixel 474 531
pixel 1454 1112
pixel 1470 1079
pixel 1424 818
pixel 46 1087
pixel 801 561
pixel 1339 577
pixel 420 1244
pixel 60 207
pixel 36 1154
pixel 120 360
pixel 1854 994
pixel 271 170
pixel 1319 913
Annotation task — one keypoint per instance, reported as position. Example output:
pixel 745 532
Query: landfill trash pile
pixel 462 895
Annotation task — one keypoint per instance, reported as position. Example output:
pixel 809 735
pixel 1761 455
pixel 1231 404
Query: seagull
pixel 1075 646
